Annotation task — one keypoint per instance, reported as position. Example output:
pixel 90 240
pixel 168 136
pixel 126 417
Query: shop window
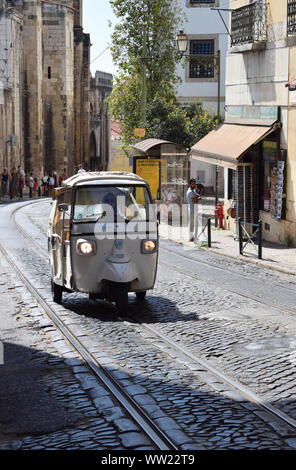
pixel 231 184
pixel 268 163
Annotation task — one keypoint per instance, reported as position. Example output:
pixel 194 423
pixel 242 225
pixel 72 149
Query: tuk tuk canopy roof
pixel 101 177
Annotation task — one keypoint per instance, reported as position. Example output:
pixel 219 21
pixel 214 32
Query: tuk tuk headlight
pixel 149 246
pixel 85 247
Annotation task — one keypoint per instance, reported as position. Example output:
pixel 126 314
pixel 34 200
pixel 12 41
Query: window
pixel 196 2
pixel 291 17
pixel 111 203
pixel 201 67
pixel 49 73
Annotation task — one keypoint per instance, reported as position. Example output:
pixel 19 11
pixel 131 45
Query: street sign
pixel 11 140
pixel 140 132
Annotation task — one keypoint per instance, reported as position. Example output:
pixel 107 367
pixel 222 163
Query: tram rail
pixel 173 348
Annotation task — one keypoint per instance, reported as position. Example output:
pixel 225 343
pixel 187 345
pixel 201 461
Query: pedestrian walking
pixel 13 182
pixel 35 187
pixel 44 184
pixel 31 184
pixel 51 184
pixel 192 199
pixel 4 183
pixel 55 177
pixel 21 181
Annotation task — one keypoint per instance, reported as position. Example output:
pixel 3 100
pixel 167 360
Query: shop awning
pixel 227 143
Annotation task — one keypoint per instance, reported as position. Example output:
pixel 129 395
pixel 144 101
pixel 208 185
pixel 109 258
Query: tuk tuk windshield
pixel 111 203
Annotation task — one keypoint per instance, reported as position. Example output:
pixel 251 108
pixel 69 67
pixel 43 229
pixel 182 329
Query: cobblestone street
pixel 236 316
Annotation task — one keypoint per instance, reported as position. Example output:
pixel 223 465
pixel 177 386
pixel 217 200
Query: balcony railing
pixel 291 18
pixel 248 24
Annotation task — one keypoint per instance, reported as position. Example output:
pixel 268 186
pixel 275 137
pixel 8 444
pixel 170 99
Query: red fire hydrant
pixel 219 213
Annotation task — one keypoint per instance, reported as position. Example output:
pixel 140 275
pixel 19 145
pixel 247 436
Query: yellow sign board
pixel 140 132
pixel 149 171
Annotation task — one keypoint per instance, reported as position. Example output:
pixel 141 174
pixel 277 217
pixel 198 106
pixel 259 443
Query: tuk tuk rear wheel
pixel 57 292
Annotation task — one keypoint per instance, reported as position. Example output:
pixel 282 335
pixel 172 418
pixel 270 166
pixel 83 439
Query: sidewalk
pixel 275 257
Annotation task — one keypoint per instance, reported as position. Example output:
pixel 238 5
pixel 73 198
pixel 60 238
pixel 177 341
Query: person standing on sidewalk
pixel 192 199
pixel 31 184
pixel 4 183
pixel 13 182
pixel 45 184
pixel 63 177
pixel 80 169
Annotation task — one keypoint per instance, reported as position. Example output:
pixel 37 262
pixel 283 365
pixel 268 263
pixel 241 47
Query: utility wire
pixel 108 47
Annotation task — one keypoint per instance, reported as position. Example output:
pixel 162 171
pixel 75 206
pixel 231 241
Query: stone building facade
pixel 44 85
pixel 11 98
pixel 100 121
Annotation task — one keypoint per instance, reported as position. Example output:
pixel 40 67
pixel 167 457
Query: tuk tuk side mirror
pixel 63 207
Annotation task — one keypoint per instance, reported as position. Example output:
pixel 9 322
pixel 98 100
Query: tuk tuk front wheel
pixel 141 295
pixel 57 292
pixel 121 299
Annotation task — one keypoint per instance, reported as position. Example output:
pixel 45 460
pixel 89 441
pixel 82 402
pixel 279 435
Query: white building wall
pixel 204 23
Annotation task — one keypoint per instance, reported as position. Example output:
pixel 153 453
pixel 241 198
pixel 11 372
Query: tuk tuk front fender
pixel 119 272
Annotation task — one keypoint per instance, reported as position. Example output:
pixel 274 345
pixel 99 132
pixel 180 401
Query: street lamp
pixel 182 42
pixel 205 60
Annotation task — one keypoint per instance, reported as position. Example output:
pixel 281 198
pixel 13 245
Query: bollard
pixel 209 233
pixel 240 235
pixel 260 239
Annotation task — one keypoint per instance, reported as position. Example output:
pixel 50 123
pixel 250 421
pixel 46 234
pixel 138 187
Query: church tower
pixel 33 87
pixel 81 87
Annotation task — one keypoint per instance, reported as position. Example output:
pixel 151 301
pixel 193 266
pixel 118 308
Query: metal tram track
pixel 271 410
pixel 232 291
pixel 223 269
pixel 151 430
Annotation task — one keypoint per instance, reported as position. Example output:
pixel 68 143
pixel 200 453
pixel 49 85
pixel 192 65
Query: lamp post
pixel 206 60
pixel 144 79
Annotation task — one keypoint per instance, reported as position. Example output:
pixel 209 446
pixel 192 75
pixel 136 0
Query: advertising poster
pixel 148 169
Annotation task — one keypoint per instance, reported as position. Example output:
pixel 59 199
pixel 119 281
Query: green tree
pixel 161 19
pixel 183 124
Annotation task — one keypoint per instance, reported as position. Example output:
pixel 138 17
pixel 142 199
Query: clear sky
pixel 96 15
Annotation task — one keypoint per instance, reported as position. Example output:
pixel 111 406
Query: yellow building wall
pixel 276 11
pixel 291 160
pixel 118 159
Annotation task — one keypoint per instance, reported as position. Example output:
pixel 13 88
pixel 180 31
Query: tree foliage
pixel 166 118
pixel 184 124
pixel 162 19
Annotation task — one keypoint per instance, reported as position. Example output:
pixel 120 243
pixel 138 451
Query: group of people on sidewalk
pixel 13 182
pixel 51 180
